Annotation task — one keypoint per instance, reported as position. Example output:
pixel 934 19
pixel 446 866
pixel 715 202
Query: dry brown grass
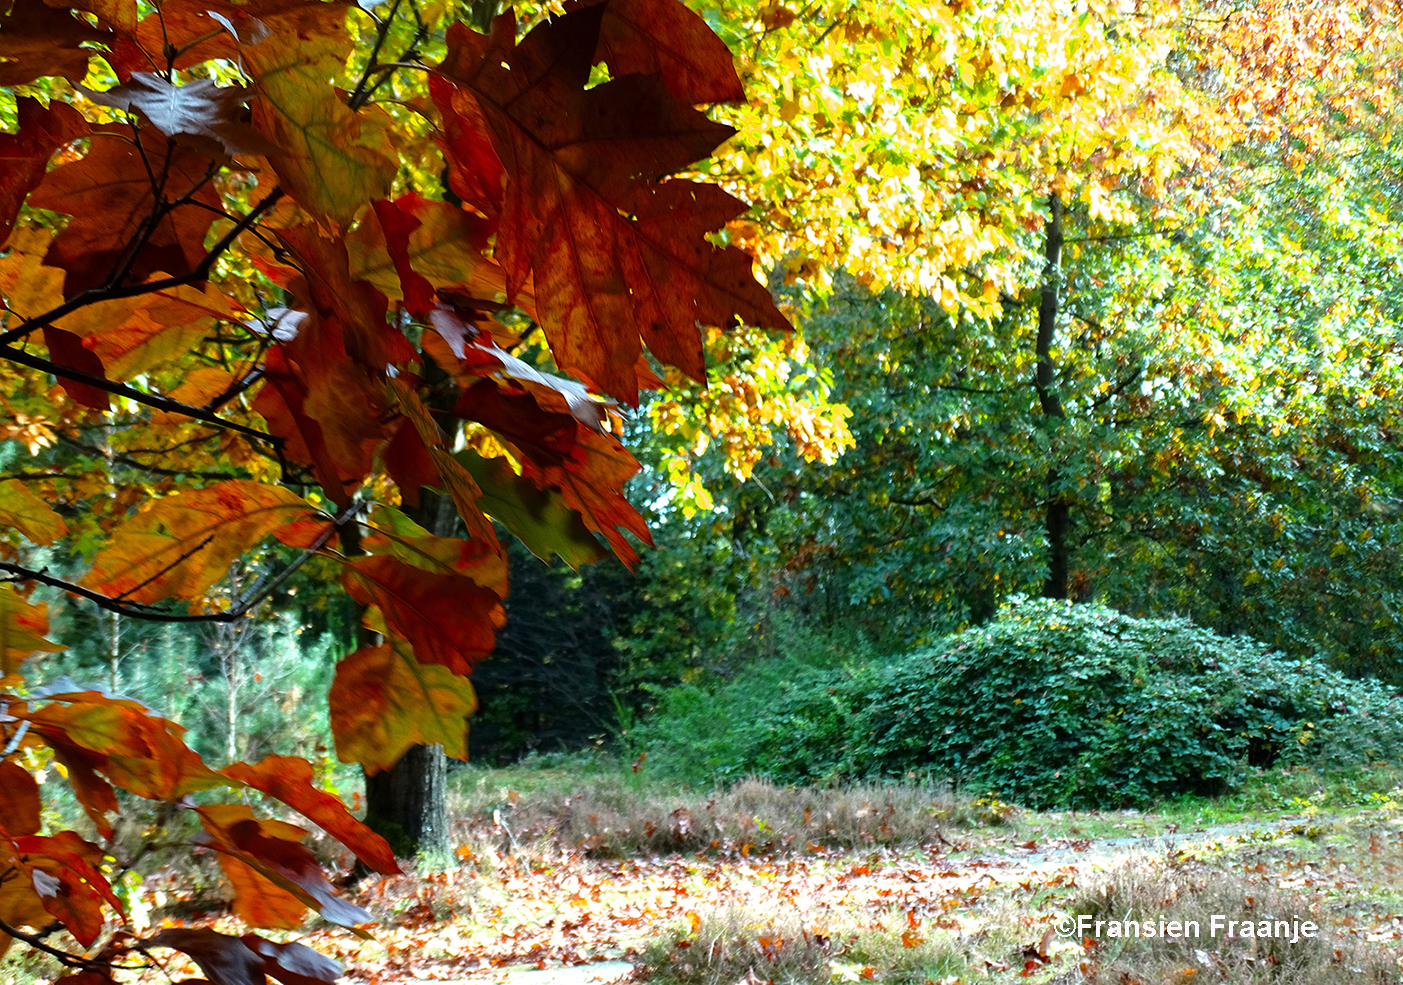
pixel 1148 889
pixel 613 818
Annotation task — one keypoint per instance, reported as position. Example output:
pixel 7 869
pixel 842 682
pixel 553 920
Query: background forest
pixel 895 444
pixel 1094 301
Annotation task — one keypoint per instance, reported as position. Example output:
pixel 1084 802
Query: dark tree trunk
pixel 1058 514
pixel 408 803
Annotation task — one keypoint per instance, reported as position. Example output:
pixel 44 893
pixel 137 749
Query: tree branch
pixel 131 393
pixel 139 610
pixel 37 942
pixel 95 294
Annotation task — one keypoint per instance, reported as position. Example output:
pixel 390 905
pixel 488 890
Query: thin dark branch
pixel 96 294
pixel 138 610
pixel 131 393
pixel 235 388
pixel 64 957
pixel 361 93
pixel 1118 388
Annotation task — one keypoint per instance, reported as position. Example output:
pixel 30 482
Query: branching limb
pixel 139 610
pixel 65 958
pixel 96 294
pixel 131 393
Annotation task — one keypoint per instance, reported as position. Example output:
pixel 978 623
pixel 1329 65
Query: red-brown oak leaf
pixel 24 155
pixel 38 40
pixel 448 619
pixel 110 190
pixel 612 251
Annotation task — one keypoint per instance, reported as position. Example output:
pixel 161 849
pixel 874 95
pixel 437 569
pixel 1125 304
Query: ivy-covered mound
pixel 1078 705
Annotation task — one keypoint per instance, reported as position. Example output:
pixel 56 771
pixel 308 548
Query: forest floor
pixel 981 900
pixel 761 884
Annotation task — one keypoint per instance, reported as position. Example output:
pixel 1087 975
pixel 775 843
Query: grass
pixel 608 813
pixel 1216 905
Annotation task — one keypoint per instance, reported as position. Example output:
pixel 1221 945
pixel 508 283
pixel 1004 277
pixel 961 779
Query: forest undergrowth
pixel 556 867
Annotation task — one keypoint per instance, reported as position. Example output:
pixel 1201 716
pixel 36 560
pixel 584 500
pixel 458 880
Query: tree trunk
pixel 407 804
pixel 1057 517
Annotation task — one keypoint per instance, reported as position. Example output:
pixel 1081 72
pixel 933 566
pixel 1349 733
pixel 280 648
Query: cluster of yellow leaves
pixel 760 386
pixel 915 141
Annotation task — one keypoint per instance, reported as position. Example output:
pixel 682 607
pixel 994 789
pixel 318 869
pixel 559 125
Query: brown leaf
pixel 396 535
pixel 225 960
pixel 258 901
pixel 66 349
pixel 322 386
pixel 203 115
pixel 24 155
pixel 289 779
pixel 557 452
pixel 38 40
pixel 19 800
pixel 446 248
pixel 119 14
pixel 354 305
pixel 694 63
pixel 110 189
pixel 448 619
pixel 383 701
pixel 475 173
pixel 609 249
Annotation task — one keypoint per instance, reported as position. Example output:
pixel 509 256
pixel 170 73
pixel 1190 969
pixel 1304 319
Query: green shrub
pixel 1051 704
pixel 1078 705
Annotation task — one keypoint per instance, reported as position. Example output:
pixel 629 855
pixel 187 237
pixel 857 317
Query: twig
pixel 131 393
pixel 139 610
pixel 96 294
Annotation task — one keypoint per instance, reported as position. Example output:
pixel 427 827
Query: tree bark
pixel 1057 516
pixel 407 804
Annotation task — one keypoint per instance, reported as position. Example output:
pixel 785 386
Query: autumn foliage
pixel 260 275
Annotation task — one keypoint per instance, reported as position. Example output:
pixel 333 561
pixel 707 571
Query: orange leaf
pixel 19 800
pixel 186 542
pixel 274 849
pixel 289 779
pixel 63 870
pixel 134 749
pixel 383 701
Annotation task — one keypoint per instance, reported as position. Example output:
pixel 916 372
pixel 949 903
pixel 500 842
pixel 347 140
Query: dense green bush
pixel 1049 704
